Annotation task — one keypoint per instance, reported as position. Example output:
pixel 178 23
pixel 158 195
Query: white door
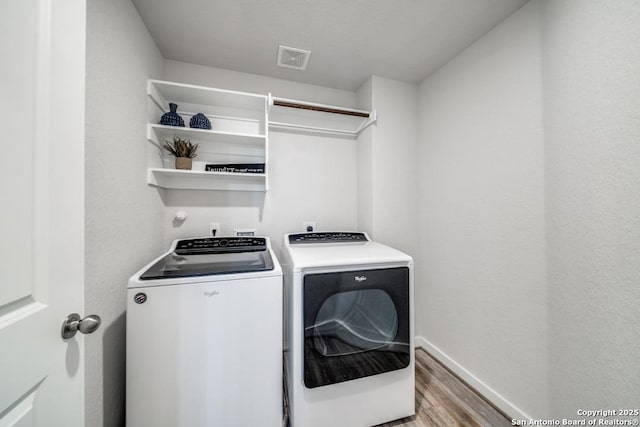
pixel 42 53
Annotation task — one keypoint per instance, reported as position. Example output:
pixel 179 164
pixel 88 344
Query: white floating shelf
pixel 163 133
pixel 203 180
pixel 164 92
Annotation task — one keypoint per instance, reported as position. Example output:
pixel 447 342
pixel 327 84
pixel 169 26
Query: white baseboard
pixel 487 392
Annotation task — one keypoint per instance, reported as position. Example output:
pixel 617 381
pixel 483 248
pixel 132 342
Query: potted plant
pixel 183 150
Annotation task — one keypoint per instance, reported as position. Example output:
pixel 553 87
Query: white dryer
pixel 349 330
pixel 204 336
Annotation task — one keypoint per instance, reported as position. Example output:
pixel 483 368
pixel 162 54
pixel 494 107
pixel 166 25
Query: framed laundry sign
pixel 236 167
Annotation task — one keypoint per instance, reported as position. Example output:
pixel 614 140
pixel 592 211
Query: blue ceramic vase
pixel 200 121
pixel 172 118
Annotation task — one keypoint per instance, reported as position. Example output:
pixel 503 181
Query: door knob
pixel 73 323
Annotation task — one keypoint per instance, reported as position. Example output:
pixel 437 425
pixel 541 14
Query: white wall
pixel 592 131
pixel 481 292
pixel 123 215
pixel 311 177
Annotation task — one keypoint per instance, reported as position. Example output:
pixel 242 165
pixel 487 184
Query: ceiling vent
pixel 291 57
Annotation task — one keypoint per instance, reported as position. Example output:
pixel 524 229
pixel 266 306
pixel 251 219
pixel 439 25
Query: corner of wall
pixel 364 95
pixel 122 213
pixel 394 163
pixel 364 155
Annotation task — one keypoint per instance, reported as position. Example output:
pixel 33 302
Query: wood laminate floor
pixel 442 399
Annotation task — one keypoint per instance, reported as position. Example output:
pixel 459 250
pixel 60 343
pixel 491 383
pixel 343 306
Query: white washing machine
pixel 204 336
pixel 349 327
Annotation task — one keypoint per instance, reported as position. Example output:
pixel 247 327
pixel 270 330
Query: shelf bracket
pixel 373 118
pixel 269 103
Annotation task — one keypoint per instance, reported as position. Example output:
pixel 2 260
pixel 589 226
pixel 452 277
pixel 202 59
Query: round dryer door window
pixel 356 324
pixel 355 321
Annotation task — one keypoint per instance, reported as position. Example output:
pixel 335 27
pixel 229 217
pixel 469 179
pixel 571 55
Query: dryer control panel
pixel 330 237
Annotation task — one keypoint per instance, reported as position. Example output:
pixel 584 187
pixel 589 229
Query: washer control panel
pixel 330 237
pixel 219 245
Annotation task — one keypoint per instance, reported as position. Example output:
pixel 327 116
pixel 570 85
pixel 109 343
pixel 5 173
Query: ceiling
pixel 350 40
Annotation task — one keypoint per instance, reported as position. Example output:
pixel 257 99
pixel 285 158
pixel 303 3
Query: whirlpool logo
pixel 360 279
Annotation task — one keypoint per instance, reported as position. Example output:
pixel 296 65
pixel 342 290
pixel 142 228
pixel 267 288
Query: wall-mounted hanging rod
pixel 290 103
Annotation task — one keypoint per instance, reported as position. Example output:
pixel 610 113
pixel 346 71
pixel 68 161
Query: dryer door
pixel 356 324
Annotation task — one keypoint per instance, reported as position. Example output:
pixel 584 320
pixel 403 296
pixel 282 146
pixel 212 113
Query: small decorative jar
pixel 200 121
pixel 172 118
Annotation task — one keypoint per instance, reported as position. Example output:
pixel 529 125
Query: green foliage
pixel 181 147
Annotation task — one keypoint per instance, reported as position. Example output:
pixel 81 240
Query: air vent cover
pixel 291 57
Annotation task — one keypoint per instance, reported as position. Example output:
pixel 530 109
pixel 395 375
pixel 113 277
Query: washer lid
pixel 212 256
